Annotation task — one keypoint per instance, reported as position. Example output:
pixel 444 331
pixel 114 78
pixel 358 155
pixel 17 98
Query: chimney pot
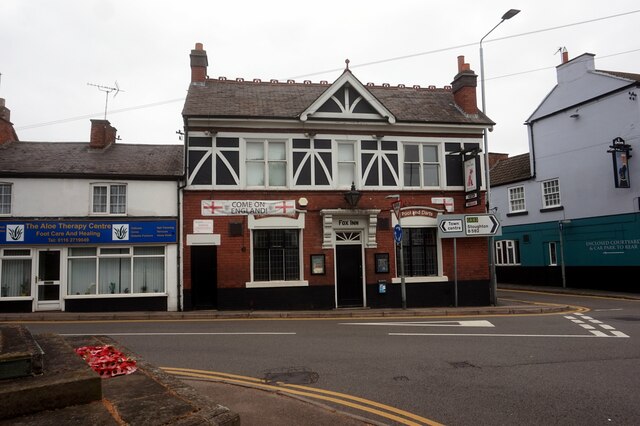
pixel 102 134
pixel 199 64
pixel 565 56
pixel 464 87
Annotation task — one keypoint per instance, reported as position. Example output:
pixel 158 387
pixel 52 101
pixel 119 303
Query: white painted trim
pixel 276 284
pixel 203 239
pixel 421 280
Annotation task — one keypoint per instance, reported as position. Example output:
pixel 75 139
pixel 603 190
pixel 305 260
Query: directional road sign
pixel 468 225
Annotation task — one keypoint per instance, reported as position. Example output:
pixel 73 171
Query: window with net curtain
pixel 15 280
pixel 266 163
pixel 122 270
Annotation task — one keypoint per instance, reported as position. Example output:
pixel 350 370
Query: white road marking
pixel 249 333
pixel 599 333
pixel 605 310
pixel 470 323
pixel 607 327
pixel 587 327
pixel 619 334
pixel 499 335
pixel 595 321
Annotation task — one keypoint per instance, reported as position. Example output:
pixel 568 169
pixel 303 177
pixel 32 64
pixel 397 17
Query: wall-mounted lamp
pixel 303 202
pixel 353 196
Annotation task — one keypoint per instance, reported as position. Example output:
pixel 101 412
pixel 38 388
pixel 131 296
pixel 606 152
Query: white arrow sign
pixel 451 225
pixel 481 224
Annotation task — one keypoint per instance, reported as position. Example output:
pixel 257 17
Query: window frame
pixel 265 162
pixel 18 254
pixel 513 200
pixel 550 191
pixel 6 191
pixel 553 253
pixel 422 163
pixel 507 252
pixel 407 248
pixel 108 202
pixel 105 253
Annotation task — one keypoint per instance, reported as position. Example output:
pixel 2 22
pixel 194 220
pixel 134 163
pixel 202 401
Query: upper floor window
pixel 5 198
pixel 551 193
pixel 421 166
pixel 516 199
pixel 266 163
pixel 346 164
pixel 109 199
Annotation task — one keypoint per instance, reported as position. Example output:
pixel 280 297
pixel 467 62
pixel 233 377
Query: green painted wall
pixel 600 241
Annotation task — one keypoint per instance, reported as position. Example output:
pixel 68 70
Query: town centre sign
pixel 468 225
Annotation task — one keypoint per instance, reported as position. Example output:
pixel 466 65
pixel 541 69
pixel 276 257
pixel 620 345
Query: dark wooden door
pixel 349 275
pixel 204 280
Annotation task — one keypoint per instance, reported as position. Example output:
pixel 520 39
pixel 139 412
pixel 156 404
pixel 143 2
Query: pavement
pixel 62 389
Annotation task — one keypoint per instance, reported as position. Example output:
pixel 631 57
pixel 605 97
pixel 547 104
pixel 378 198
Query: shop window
pixel 15 273
pixel 276 255
pixel 420 252
pixel 507 252
pixel 109 199
pixel 5 198
pixel 119 270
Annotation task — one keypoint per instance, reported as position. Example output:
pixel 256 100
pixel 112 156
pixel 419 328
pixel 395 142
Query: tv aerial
pixel 107 90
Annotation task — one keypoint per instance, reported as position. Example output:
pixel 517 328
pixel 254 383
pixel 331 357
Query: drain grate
pixel 291 375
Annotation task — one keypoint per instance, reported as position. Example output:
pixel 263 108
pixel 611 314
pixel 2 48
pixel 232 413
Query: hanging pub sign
pixel 471 179
pixel 620 153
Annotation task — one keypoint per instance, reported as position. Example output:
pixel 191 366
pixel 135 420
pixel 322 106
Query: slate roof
pixel 267 100
pixel 511 170
pixel 625 75
pixel 73 159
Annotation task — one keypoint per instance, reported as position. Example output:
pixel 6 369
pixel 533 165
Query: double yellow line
pixel 354 402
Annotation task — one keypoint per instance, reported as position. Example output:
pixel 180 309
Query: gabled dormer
pixel 347 99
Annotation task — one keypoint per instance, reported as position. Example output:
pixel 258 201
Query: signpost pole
pixel 403 288
pixel 455 273
pixel 397 205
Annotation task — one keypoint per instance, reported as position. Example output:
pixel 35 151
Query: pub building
pixel 294 190
pixel 88 227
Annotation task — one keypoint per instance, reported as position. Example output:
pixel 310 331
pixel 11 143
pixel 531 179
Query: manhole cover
pixel 292 375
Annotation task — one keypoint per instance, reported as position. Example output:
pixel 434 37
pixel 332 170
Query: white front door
pixel 48 281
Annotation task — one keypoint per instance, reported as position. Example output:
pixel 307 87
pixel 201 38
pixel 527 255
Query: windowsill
pixel 551 209
pixel 275 284
pixel 442 278
pixel 522 213
pixel 509 264
pixel 91 296
pixel 12 298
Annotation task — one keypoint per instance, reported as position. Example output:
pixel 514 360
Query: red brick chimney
pixel 7 132
pixel 102 134
pixel 565 55
pixel 199 64
pixel 464 87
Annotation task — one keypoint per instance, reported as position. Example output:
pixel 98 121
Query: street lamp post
pixel 492 267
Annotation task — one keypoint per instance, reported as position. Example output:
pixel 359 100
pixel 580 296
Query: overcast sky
pixel 51 50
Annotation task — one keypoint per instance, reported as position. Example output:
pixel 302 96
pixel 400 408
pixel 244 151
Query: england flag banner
pixel 247 207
